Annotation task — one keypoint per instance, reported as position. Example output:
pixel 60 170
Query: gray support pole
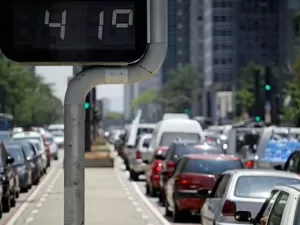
pixel 79 87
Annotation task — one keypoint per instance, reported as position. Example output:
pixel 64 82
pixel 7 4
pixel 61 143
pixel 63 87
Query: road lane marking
pixel 16 214
pixel 152 208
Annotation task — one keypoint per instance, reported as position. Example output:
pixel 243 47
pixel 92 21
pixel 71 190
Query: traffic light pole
pixel 78 88
pixel 88 124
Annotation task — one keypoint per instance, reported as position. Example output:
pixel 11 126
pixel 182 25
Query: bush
pixel 100 141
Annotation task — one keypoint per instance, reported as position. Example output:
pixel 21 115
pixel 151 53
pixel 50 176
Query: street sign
pixel 69 31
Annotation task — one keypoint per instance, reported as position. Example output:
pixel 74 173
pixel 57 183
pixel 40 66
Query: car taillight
pixel 182 183
pixel 249 164
pixel 156 168
pixel 170 167
pixel 138 154
pixel 229 208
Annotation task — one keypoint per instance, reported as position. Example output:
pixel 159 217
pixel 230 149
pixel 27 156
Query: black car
pixel 32 157
pixel 10 180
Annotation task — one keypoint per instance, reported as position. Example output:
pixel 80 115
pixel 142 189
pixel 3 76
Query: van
pixel 167 131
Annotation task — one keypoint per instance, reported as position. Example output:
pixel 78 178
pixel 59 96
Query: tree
pixel 26 96
pixel 292 111
pixel 146 98
pixel 182 91
pixel 113 115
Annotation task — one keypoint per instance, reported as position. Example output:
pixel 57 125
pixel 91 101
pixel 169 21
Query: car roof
pixel 26 134
pixel 263 172
pixel 212 156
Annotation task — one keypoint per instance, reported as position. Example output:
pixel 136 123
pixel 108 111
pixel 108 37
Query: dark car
pixel 32 157
pixel 10 180
pixel 22 166
pixel 174 154
pixel 5 135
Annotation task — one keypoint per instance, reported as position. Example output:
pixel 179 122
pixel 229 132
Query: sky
pixel 58 76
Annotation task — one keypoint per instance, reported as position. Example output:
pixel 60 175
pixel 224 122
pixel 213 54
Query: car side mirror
pixel 243 216
pixel 10 160
pixel 203 193
pixel 278 167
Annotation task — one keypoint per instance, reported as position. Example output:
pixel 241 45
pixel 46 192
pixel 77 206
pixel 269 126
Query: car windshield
pixel 16 153
pixel 27 138
pixel 260 186
pixel 210 166
pixel 168 138
pixel 4 136
pixel 58 134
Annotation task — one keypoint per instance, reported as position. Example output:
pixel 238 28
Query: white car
pixel 58 137
pixel 33 136
pixel 241 190
pixel 281 208
pixel 53 146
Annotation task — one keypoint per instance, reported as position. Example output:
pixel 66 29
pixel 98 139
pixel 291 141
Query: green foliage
pixel 245 95
pixel 113 115
pixel 27 97
pixel 148 97
pixel 296 23
pixel 176 94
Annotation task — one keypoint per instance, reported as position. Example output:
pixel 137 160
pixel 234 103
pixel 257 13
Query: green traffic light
pixel 268 87
pixel 257 119
pixel 86 105
pixel 186 111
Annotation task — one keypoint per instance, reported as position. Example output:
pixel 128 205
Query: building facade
pixel 238 32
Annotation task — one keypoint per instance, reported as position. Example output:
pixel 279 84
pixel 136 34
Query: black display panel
pixel 74 30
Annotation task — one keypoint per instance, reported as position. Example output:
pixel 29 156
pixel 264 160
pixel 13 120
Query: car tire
pixel 1 211
pixel 17 194
pixel 13 200
pixel 24 190
pixel 147 189
pixel 6 204
pixel 134 176
pixel 37 181
pixel 56 158
pixel 168 213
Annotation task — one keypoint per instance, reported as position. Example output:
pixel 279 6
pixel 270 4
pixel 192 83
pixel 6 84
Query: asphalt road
pixel 138 189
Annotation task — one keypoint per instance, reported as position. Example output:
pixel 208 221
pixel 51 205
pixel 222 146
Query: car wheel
pixel 13 201
pixel 147 189
pixel 1 211
pixel 17 194
pixel 178 215
pixel 6 204
pixel 56 158
pixel 134 176
pixel 168 213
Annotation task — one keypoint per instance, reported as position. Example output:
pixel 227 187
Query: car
pixel 58 137
pixel 177 149
pixel 52 144
pixel 5 135
pixel 32 158
pixel 22 166
pixel 38 138
pixel 153 171
pixel 138 158
pixel 240 190
pixel 280 208
pixel 194 171
pixel 9 178
pixel 43 156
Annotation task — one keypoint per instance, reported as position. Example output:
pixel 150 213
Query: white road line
pixel 29 220
pixel 154 210
pixel 36 191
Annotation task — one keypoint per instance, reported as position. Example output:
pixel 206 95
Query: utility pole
pixel 269 103
pixel 87 107
pixel 257 92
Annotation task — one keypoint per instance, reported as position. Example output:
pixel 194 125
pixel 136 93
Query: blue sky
pixel 58 76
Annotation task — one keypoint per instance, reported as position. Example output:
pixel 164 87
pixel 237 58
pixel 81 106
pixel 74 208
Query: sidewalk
pixel 106 202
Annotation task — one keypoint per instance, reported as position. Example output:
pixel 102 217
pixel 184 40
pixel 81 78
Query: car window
pixel 168 138
pixel 260 186
pixel 293 163
pixel 211 166
pixel 27 150
pixel 50 140
pixel 278 208
pixel 270 204
pixel 220 188
pixel 17 154
pixel 180 166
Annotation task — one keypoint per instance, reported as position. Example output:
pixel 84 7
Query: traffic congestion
pixel 241 173
pixel 26 157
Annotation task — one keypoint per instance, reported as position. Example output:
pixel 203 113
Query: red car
pixel 193 172
pixel 153 171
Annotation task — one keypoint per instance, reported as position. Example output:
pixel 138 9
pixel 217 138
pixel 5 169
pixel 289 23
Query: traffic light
pixel 268 84
pixel 257 119
pixel 87 105
pixel 186 111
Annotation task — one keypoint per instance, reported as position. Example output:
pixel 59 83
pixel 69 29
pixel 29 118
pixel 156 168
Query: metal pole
pixel 79 87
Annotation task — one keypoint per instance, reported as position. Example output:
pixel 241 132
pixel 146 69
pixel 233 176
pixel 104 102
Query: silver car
pixel 240 190
pixel 138 158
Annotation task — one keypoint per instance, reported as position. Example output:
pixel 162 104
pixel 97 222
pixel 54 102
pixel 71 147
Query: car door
pixel 211 207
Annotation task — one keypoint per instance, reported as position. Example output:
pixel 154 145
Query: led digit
pixel 101 23
pixel 61 25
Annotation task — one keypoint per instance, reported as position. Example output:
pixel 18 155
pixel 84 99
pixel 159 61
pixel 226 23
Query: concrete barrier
pixel 98 160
